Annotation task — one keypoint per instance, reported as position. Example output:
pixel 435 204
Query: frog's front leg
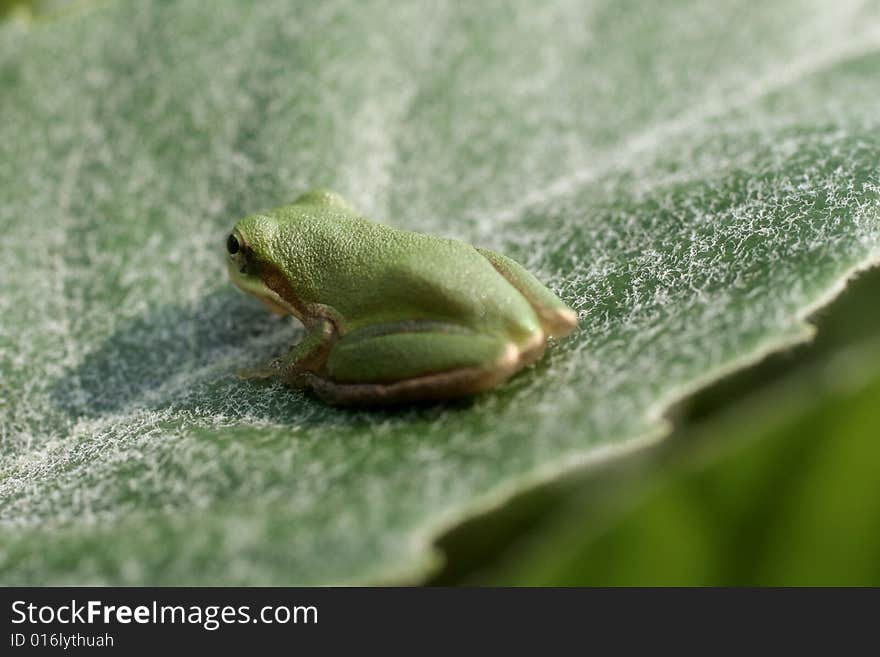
pixel 307 355
pixel 413 361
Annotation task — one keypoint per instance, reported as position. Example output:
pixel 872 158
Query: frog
pixel 391 316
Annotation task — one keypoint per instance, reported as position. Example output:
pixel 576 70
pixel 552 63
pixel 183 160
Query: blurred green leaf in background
pixel 695 180
pixel 798 505
pixel 30 9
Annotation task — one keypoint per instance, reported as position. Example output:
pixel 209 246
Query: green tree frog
pixel 390 315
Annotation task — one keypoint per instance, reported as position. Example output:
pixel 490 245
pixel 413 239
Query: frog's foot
pixel 406 367
pixel 271 370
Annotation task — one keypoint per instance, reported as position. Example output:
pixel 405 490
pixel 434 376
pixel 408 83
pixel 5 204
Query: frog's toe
pixel 268 371
pixel 559 322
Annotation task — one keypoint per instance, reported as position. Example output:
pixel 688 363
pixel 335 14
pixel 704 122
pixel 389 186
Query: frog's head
pixel 253 263
pixel 259 247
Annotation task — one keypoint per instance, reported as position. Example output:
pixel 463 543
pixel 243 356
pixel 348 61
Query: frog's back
pixel 370 272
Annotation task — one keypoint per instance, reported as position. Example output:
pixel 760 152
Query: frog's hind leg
pixel 557 318
pixel 410 366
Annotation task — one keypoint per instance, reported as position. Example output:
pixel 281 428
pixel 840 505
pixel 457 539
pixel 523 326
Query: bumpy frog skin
pixel 391 316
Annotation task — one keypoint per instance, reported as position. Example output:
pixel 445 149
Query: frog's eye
pixel 232 245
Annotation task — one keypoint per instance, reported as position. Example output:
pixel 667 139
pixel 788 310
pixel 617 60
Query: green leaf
pixel 574 530
pixel 693 179
pixel 30 9
pixel 782 490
